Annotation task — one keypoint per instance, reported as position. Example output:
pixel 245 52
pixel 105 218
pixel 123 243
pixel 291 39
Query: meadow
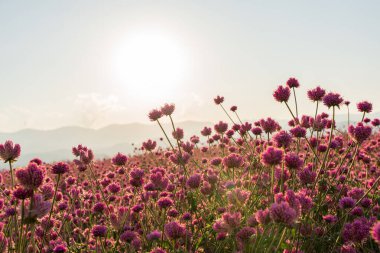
pixel 237 187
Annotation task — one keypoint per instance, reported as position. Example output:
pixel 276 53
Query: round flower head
pixel 99 231
pixel 233 161
pixel 283 213
pixel 194 181
pixel 282 94
pixel 119 159
pixel 292 83
pixel 206 131
pixel 364 107
pixel 155 115
pixel 218 100
pixel 9 152
pixel 30 177
pixel 233 108
pixel 298 132
pixel 316 94
pixel 149 145
pixel 282 139
pixel 375 232
pixel 332 99
pixel 174 230
pixel 178 134
pixel 272 156
pixel 40 207
pixel 168 109
pixel 359 133
pixel 165 202
pixel 60 168
pixel 292 161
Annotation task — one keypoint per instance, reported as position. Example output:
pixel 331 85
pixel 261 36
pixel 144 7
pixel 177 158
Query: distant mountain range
pixel 55 145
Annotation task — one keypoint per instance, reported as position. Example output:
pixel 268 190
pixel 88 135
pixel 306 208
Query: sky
pixel 95 63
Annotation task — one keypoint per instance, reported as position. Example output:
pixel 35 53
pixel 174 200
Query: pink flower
pixel 233 161
pixel 364 107
pixel 332 99
pixel 30 177
pixel 168 109
pixel 282 94
pixel 283 213
pixel 316 94
pixel 360 133
pixel 9 152
pixel 272 156
pixel 292 83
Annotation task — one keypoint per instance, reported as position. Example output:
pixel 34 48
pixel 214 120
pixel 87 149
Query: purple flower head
pixel 178 134
pixel 282 139
pixel 194 181
pixel 165 202
pixel 174 230
pixel 281 94
pixel 9 152
pixel 364 106
pixel 60 168
pixel 360 133
pixel 272 156
pixel 233 161
pixel 316 94
pixel 298 132
pixel 119 159
pixel 155 115
pixel 30 177
pixel 269 125
pixel 221 127
pixel 168 109
pixel 346 202
pixel 154 235
pixel 149 145
pixel 218 100
pixel 292 83
pixel 99 231
pixel 292 161
pixel 332 99
pixel 283 213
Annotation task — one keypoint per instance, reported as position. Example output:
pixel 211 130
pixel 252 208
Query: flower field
pixel 237 187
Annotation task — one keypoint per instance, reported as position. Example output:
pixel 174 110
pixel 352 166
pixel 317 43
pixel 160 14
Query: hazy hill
pixel 54 145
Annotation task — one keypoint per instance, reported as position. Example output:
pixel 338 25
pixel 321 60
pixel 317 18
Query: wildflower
pixel 9 152
pixel 298 132
pixel 272 156
pixel 174 230
pixel 283 213
pixel 30 177
pixel 292 161
pixel 60 168
pixel 364 106
pixel 221 127
pixel 168 109
pixel 233 161
pixel 233 108
pixel 194 181
pixel 155 115
pixel 149 145
pixel 99 231
pixel 218 100
pixel 292 83
pixel 282 94
pixel 360 133
pixel 165 202
pixel 178 134
pixel 316 94
pixel 282 139
pixel 119 159
pixel 332 99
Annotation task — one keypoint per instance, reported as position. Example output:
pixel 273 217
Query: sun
pixel 150 64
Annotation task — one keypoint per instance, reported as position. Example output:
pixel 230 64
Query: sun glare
pixel 151 64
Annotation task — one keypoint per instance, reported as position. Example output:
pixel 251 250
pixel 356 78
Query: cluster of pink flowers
pixel 237 187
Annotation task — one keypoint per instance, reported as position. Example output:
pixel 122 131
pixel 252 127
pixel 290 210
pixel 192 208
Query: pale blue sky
pixel 60 60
